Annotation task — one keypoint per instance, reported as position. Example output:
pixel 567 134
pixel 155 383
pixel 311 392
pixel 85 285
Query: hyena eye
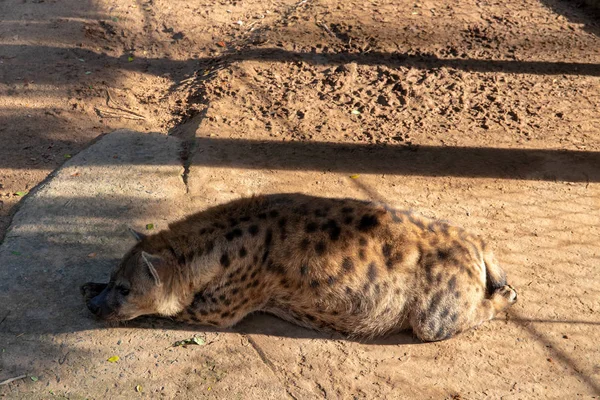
pixel 123 290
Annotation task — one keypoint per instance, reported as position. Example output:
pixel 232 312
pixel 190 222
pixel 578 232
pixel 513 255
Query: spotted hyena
pixel 330 264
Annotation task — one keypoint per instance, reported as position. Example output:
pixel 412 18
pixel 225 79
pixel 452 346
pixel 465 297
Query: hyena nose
pixel 93 308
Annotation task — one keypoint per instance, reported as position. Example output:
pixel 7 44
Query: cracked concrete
pixel 72 229
pixel 125 178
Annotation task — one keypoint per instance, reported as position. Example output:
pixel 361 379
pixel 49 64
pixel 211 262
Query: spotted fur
pixel 330 264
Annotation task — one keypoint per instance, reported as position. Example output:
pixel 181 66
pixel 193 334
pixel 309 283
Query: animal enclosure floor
pixel 481 113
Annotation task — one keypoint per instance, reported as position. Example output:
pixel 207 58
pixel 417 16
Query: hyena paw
pixel 507 292
pixel 90 290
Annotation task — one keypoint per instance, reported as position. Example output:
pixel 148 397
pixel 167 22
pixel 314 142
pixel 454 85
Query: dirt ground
pixel 482 112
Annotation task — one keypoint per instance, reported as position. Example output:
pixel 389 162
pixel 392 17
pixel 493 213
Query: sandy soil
pixel 482 112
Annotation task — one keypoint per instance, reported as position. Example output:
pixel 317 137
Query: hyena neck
pixel 192 263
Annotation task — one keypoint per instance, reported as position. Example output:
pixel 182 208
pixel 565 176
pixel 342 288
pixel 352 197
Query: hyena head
pixel 139 285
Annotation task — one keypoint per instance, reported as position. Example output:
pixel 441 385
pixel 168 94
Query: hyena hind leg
pixel 501 299
pixel 444 316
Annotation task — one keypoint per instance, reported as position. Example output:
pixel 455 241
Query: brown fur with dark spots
pixel 333 264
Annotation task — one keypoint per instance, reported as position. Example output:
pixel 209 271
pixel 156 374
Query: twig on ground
pixel 119 107
pixel 4 319
pixel 187 80
pixel 324 26
pixel 250 25
pixel 16 378
pixel 112 114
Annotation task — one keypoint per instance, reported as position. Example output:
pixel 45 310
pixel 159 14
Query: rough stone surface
pixel 73 229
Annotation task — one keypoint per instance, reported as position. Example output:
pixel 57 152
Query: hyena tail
pixel 495 275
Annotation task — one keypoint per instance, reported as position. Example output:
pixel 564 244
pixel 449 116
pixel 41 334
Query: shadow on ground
pixel 579 12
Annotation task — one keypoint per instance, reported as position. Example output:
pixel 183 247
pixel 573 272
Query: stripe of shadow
pixel 474 162
pixel 424 62
pixel 558 354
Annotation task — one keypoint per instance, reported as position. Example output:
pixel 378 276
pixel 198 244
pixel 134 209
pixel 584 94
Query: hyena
pixel 342 265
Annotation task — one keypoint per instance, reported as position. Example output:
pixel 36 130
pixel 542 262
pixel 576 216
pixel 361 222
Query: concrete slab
pixel 72 229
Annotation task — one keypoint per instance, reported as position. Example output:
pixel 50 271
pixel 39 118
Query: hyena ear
pixel 137 235
pixel 151 263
